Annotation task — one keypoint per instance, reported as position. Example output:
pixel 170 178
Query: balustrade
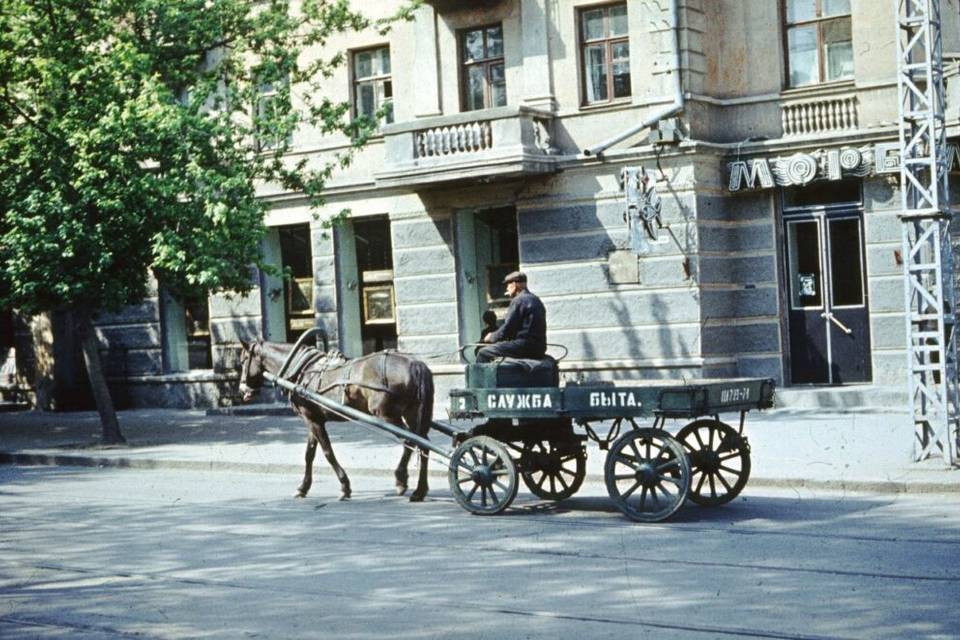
pixel 503 143
pixel 447 140
pixel 820 116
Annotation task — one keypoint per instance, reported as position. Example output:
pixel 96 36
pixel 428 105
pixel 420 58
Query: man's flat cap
pixel 515 276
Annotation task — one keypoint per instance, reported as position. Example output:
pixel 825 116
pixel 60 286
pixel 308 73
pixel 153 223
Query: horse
pixel 392 386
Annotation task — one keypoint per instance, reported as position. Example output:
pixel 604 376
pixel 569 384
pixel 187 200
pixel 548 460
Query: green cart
pixel 525 425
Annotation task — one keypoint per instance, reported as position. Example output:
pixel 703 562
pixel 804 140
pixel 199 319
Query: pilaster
pixel 535 46
pixel 426 67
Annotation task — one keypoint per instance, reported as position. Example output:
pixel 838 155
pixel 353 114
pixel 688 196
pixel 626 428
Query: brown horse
pixel 386 384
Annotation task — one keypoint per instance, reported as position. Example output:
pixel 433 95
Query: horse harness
pixel 300 371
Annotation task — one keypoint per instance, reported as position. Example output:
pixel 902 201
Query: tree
pixel 133 136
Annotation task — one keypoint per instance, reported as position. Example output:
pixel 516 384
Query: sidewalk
pixel 848 451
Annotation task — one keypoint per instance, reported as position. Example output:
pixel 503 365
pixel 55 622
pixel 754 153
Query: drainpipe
pixel 675 107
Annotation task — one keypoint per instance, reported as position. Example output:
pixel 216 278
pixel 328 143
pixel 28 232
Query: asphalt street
pixel 114 553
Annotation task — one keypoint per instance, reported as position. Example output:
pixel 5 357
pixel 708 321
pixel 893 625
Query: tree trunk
pixel 98 384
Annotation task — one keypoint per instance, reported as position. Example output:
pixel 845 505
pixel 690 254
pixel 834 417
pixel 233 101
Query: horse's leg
pixel 412 420
pixel 401 474
pixel 308 456
pixel 327 448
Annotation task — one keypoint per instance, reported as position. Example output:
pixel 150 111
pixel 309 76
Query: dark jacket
pixel 526 322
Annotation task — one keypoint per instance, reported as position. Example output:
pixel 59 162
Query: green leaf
pixel 130 140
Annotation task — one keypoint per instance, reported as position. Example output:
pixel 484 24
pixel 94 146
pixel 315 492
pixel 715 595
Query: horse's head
pixel 251 370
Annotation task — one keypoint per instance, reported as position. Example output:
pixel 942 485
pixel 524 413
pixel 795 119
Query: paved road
pixel 116 553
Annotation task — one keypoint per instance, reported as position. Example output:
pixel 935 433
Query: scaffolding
pixel 928 257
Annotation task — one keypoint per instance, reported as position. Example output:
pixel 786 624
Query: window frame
pixel 177 337
pixel 373 79
pixel 609 42
pixel 818 21
pixel 487 62
pixel 201 337
pixel 268 92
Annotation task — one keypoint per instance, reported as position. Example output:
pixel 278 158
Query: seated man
pixel 524 330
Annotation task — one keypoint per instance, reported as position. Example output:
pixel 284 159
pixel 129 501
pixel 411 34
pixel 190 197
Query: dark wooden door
pixel 829 322
pixel 849 319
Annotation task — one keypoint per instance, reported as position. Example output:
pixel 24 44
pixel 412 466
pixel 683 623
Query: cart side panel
pixel 605 402
pixel 707 398
pixel 531 402
pixel 602 402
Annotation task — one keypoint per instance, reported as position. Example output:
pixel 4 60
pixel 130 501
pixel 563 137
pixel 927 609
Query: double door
pixel 829 323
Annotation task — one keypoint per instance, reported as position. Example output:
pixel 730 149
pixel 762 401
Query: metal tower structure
pixel 927 251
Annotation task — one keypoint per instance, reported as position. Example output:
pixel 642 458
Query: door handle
pixel 832 318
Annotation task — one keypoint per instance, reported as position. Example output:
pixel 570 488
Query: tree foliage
pixel 135 134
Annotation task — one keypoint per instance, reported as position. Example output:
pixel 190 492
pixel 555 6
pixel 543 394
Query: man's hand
pixel 488 338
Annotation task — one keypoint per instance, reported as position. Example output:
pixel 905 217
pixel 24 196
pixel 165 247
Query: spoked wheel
pixel 647 474
pixel 719 461
pixel 553 471
pixel 483 477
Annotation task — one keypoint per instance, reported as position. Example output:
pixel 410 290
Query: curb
pixel 57 460
pixel 252 410
pixel 48 460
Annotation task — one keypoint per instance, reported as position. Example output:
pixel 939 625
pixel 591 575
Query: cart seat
pixel 513 373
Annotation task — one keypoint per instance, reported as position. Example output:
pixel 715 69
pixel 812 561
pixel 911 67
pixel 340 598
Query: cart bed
pixel 602 401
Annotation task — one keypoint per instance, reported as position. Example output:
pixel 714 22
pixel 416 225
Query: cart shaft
pixel 358 416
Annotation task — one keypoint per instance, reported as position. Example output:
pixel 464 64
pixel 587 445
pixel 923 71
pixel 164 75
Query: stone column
pixel 426 66
pixel 173 333
pixel 535 48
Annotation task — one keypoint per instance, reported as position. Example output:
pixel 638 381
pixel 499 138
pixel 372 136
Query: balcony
pixel 501 143
pixel 821 115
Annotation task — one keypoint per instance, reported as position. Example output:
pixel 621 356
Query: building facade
pixel 774 156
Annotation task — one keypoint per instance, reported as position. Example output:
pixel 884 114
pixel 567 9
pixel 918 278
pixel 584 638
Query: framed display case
pixel 379 306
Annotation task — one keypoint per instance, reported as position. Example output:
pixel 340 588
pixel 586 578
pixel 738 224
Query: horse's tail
pixel 422 379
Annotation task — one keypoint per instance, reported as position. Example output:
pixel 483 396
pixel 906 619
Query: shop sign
pixel 801 169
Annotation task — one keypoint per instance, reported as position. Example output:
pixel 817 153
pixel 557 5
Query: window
pixel 185 330
pixel 296 256
pixel 828 193
pixel 605 53
pixel 374 250
pixel 488 248
pixel 819 45
pixel 497 229
pixel 197 323
pixel 482 73
pixel 372 85
pixel 267 115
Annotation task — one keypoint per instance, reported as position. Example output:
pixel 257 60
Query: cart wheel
pixel 647 474
pixel 483 477
pixel 719 461
pixel 553 472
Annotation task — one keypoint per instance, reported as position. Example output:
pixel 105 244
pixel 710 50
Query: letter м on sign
pixel 750 171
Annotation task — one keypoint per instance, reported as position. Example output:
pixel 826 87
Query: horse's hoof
pixel 417 497
pixel 344 496
pixel 401 489
pixel 300 494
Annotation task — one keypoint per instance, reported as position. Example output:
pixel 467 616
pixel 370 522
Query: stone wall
pixel 882 243
pixel 738 276
pixel 132 351
pixel 570 234
pixel 424 272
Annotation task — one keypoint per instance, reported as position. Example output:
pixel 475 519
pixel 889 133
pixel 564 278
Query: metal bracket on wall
pixel 642 212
